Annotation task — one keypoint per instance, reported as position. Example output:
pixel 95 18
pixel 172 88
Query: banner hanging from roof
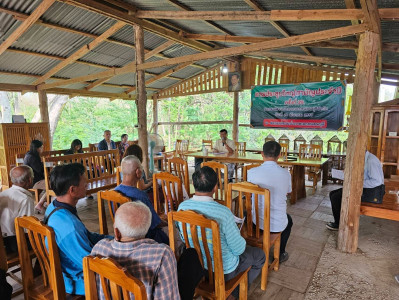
pixel 314 105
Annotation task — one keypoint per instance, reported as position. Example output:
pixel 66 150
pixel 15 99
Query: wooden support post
pixel 361 105
pixel 377 86
pixel 141 97
pixel 236 108
pixel 43 106
pixel 155 113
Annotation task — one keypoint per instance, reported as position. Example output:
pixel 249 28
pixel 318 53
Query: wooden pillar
pixel 236 109
pixel 155 113
pixel 43 106
pixel 362 100
pixel 377 86
pixel 141 101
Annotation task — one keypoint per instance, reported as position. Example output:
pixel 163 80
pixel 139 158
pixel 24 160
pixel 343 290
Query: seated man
pixel 106 143
pixel 152 263
pixel 132 172
pixel 278 181
pixel 237 256
pixel 15 202
pixel 73 239
pixel 373 179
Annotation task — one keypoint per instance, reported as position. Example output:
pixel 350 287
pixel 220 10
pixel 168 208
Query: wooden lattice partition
pixel 255 72
pixel 15 139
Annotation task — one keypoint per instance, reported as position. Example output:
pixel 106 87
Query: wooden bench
pixel 389 208
pixel 101 169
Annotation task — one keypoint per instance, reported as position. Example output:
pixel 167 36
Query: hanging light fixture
pixel 225 69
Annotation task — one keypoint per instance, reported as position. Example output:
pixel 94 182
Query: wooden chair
pixel 208 144
pixel 42 239
pixel 182 148
pixel 118 175
pixel 284 139
pixel 114 200
pixel 116 282
pixel 214 287
pixel 179 167
pixel 166 156
pixel 171 187
pixel 246 169
pixel 284 151
pixel 311 152
pixel 299 140
pixel 93 147
pixel 240 148
pixel 249 198
pixel 221 193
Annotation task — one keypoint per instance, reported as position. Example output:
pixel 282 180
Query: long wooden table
pixel 298 167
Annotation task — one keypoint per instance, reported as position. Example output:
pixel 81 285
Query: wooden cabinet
pixel 15 138
pixel 383 139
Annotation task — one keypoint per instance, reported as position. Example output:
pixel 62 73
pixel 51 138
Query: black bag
pixel 5 287
pixel 189 273
pixel 373 195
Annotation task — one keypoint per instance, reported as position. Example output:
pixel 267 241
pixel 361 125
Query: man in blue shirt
pixel 132 172
pixel 74 241
pixel 106 143
pixel 373 179
pixel 236 255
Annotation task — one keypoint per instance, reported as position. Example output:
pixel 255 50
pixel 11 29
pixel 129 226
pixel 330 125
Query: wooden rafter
pixel 280 43
pixel 273 15
pixel 28 22
pixel 82 51
pixel 255 6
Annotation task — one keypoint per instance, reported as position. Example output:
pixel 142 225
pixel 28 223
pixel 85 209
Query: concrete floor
pixel 315 269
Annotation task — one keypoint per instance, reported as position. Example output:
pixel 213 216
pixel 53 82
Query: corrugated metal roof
pixel 297 28
pixel 108 89
pixel 163 83
pixel 187 72
pixel 29 64
pixel 247 28
pixel 16 79
pixel 77 70
pixel 302 4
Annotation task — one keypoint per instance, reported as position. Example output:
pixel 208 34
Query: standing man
pixel 15 202
pixel 225 145
pixel 277 180
pixel 373 186
pixel 236 255
pixel 74 241
pixel 106 143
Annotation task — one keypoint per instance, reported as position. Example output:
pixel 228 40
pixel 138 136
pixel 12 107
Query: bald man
pixel 15 202
pixel 152 263
pixel 132 172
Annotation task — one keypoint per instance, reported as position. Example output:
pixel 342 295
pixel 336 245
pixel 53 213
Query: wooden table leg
pixel 325 174
pixel 298 183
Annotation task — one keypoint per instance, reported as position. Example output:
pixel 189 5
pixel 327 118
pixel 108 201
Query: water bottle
pixel 204 150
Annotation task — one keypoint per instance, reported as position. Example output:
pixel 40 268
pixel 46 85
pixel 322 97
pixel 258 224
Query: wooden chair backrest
pixel 182 147
pixel 166 156
pixel 316 141
pixel 284 141
pixel 93 147
pixel 3 254
pixel 114 200
pixel 19 158
pixel 312 152
pixel 284 150
pixel 179 167
pixel 116 282
pixel 99 165
pixel 208 144
pixel 196 225
pixel 221 192
pixel 246 169
pixel 240 147
pixel 250 196
pixel 171 187
pixel 118 175
pixel 334 146
pixel 40 235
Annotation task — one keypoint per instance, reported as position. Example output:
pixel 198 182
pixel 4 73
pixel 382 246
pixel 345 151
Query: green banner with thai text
pixel 314 105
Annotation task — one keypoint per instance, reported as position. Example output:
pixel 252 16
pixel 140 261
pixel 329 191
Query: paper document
pixel 239 222
pixel 338 174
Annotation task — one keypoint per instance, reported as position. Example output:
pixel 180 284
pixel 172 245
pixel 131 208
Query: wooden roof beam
pixel 82 51
pixel 234 51
pixel 26 24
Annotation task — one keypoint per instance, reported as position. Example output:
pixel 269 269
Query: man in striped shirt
pixel 236 255
pixel 152 263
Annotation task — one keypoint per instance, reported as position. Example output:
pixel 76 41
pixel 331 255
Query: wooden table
pixel 298 167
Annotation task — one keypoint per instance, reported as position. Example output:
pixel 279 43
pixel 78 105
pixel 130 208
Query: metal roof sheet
pixel 16 79
pixel 163 83
pixel 22 63
pixel 77 70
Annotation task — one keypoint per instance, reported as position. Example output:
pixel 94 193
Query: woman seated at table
pixel 76 147
pixel 32 159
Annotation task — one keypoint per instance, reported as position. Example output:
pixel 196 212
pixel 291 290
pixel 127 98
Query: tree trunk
pixel 57 105
pixel 6 112
pixel 36 118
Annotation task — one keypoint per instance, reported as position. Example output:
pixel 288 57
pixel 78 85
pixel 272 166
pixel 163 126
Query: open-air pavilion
pixel 153 50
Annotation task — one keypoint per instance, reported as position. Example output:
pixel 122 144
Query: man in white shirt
pixel 15 202
pixel 225 145
pixel 373 179
pixel 278 181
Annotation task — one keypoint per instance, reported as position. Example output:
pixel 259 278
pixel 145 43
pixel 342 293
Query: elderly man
pixel 132 173
pixel 73 239
pixel 15 202
pixel 237 256
pixel 278 180
pixel 106 143
pixel 152 263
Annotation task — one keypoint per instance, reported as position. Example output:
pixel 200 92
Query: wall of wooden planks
pixel 256 72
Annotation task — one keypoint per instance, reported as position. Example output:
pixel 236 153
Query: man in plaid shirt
pixel 152 263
